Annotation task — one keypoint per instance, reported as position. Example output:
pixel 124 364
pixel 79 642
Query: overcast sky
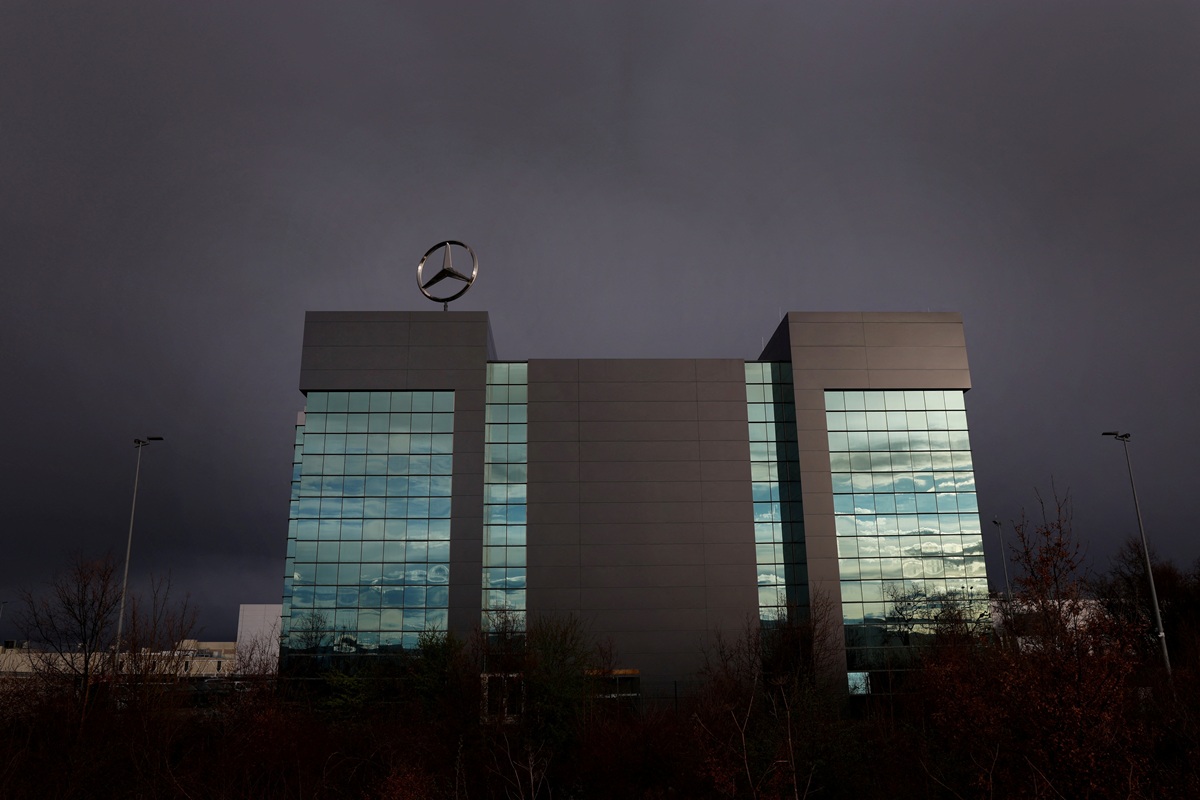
pixel 179 182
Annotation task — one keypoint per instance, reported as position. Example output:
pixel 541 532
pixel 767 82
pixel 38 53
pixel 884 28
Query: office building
pixel 438 488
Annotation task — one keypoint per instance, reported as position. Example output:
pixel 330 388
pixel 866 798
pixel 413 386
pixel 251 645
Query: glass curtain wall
pixel 369 537
pixel 505 465
pixel 909 539
pixel 775 476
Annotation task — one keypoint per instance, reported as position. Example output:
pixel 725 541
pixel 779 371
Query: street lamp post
pixel 1123 438
pixel 139 444
pixel 1003 557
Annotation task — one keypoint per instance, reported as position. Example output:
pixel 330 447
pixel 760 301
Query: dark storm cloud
pixel 182 181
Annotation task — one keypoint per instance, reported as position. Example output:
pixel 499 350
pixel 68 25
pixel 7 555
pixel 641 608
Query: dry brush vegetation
pixel 1065 698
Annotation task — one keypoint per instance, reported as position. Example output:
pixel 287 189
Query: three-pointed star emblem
pixel 447 271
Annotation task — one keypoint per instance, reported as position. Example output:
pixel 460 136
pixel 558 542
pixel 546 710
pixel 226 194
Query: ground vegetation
pixel 1063 697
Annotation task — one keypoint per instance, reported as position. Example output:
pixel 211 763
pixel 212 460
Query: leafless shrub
pixel 761 719
pixel 258 657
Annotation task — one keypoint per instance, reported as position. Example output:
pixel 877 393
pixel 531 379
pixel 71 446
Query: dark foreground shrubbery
pixel 1065 699
pixel 980 722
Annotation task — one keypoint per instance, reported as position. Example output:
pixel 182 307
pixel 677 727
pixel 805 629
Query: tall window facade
pixel 775 476
pixel 369 537
pixel 504 505
pixel 909 539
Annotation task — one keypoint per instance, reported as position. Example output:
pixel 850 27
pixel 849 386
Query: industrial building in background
pixel 439 488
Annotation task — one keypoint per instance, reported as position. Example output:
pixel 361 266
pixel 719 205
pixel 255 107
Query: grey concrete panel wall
pixel 725 391
pixel 727 533
pixel 829 358
pixel 658 474
pixel 556 471
pixel 682 619
pixel 620 471
pixel 641 492
pixel 419 351
pixel 829 378
pixel 851 350
pixel 924 378
pixel 947 333
pixel 618 533
pixel 556 491
pixel 650 512
pixel 650 410
pixel 657 392
pixel 637 554
pixel 682 450
pixel 393 350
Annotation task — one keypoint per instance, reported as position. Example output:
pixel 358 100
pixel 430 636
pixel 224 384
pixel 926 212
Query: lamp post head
pixel 1124 437
pixel 143 442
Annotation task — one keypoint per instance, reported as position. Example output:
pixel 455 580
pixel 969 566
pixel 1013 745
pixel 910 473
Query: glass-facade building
pixel 438 489
pixel 909 540
pixel 369 535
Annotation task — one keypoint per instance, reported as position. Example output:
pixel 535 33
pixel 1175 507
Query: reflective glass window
pixel 372 512
pixel 775 471
pixel 505 457
pixel 904 496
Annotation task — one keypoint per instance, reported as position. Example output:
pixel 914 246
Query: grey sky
pixel 181 181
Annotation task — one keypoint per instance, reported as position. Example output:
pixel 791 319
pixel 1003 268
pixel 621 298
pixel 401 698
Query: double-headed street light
pixel 139 444
pixel 1123 438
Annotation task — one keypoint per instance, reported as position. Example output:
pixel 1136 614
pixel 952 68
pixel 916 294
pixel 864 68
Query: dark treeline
pixel 1064 697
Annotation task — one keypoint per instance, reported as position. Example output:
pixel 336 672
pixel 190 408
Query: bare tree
pixel 1050 610
pixel 1049 704
pixel 71 630
pixel 538 693
pixel 906 612
pixel 764 717
pixel 306 646
pixel 158 626
pixel 70 627
pixel 259 656
pixel 313 633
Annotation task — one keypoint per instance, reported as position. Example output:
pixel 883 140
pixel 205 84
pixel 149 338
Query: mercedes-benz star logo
pixel 447 271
